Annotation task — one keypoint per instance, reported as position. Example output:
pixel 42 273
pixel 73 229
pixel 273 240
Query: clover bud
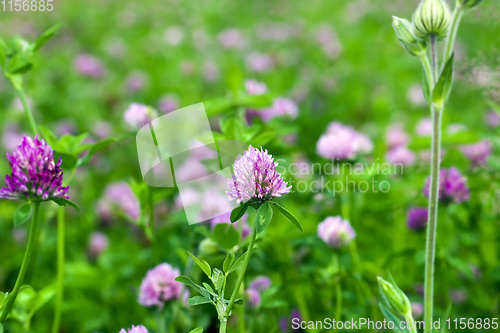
pixel 208 246
pixel 18 45
pixel 468 3
pixel 395 297
pixel 404 31
pixel 432 17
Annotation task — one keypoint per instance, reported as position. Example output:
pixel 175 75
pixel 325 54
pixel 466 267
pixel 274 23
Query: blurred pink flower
pixel 98 242
pixel 282 106
pixel 119 194
pixel 424 127
pixel 254 87
pixel 88 65
pixel 174 35
pixel 477 153
pixel 231 39
pixel 335 231
pixel 415 94
pixel 168 103
pixel 102 129
pixel 159 286
pixel 259 62
pixel 401 155
pixel 210 71
pixel 343 142
pixel 135 81
pixel 138 115
pixel 493 118
pixel 396 136
pixel 135 329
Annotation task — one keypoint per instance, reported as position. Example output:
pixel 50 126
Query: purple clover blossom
pixel 119 194
pixel 336 232
pixel 35 175
pixel 401 155
pixel 253 297
pixel 343 142
pixel 89 66
pixel 135 81
pixel 254 87
pixel 231 39
pixel 493 118
pixel 417 218
pixel 417 309
pixel 396 136
pixel 159 286
pixel 135 329
pixel 168 103
pixel 281 107
pixel 452 186
pixel 98 242
pixel 477 153
pixel 256 178
pixel 424 127
pixel 138 115
pixel 260 283
pixel 259 62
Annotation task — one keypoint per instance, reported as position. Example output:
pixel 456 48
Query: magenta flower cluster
pixel 138 115
pixel 35 175
pixel 477 153
pixel 452 186
pixel 336 232
pixel 256 178
pixel 257 286
pixel 135 329
pixel 417 218
pixel 159 286
pixel 343 142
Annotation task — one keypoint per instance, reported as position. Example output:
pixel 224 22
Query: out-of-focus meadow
pixel 333 60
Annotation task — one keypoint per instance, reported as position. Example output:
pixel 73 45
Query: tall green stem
pixel 242 274
pixel 433 203
pixel 27 111
pixel 33 237
pixel 223 326
pixel 452 33
pixel 61 230
pixel 159 321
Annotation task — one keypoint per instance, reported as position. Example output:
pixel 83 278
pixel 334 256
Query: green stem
pixel 60 269
pixel 223 326
pixel 29 115
pixel 452 33
pixel 160 322
pixel 434 61
pixel 426 64
pixel 242 275
pixel 338 305
pixel 26 260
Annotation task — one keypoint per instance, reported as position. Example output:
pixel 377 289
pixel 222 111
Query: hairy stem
pixel 27 111
pixel 434 61
pixel 223 326
pixel 242 275
pixel 452 33
pixel 60 269
pixel 433 204
pixel 26 260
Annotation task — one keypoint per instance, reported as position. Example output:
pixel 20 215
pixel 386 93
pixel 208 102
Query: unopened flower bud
pixel 404 31
pixel 18 45
pixel 395 297
pixel 208 246
pixel 469 3
pixel 432 17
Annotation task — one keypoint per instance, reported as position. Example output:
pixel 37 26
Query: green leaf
pixel 63 202
pixel 233 129
pixel 228 261
pixel 197 330
pixel 425 86
pixel 209 289
pixel 205 267
pixel 197 300
pixel 22 214
pixel 443 87
pixel 263 138
pixel 100 145
pixel 68 160
pixel 226 235
pixel 234 80
pixel 256 101
pixel 1 328
pixel 237 263
pixel 19 64
pixel 49 136
pixel 216 106
pixel 238 212
pixel 289 216
pixel 4 50
pixel 264 216
pixel 44 37
pixel 188 282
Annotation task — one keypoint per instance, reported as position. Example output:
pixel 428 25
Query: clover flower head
pixel 138 115
pixel 135 329
pixel 343 142
pixel 401 155
pixel 88 65
pixel 424 127
pixel 396 136
pixel 98 242
pixel 121 195
pixel 335 231
pixel 159 286
pixel 35 175
pixel 260 283
pixel 417 218
pixel 282 107
pixel 417 309
pixel 254 87
pixel 253 297
pixel 477 153
pixel 168 103
pixel 452 186
pixel 256 178
pixel 493 118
